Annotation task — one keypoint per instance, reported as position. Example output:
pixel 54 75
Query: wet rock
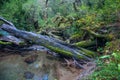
pixel 31 59
pixel 45 77
pixel 28 75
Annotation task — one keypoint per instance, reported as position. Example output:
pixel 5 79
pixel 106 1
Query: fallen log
pixel 47 42
pixel 85 43
pixel 97 35
pixel 11 39
pixel 5 21
pixel 53 44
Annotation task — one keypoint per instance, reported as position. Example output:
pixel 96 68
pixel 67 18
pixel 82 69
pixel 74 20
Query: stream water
pixel 35 65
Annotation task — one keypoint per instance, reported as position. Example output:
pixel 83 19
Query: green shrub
pixel 108 67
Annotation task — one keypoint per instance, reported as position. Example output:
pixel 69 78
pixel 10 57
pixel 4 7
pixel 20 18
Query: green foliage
pixel 108 67
pixel 18 12
pixel 112 46
pixel 93 13
pixel 105 56
pixel 90 14
pixel 108 64
pixel 12 11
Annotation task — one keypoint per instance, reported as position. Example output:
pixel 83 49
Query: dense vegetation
pixel 76 22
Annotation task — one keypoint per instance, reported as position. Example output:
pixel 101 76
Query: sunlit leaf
pixel 105 56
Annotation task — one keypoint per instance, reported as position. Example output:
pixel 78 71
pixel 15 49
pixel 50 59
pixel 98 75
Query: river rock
pixel 28 75
pixel 31 59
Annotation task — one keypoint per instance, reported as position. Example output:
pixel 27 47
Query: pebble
pixel 31 59
pixel 28 75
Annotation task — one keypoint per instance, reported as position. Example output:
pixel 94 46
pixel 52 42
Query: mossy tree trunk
pixel 49 42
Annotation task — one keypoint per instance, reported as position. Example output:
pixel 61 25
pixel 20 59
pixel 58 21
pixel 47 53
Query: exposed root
pixel 73 63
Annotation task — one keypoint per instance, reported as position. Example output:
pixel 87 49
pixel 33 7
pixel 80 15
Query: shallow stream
pixel 43 67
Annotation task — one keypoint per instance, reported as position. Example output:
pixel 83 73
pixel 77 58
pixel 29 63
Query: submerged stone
pixel 31 59
pixel 28 75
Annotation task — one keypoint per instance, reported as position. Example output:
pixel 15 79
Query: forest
pixel 59 39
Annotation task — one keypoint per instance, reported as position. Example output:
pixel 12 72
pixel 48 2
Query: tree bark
pixel 49 43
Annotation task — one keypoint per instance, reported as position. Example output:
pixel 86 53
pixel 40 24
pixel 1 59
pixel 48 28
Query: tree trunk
pixel 49 43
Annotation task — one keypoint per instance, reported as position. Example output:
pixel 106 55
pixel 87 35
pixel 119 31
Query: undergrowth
pixel 108 67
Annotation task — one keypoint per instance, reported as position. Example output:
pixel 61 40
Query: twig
pixel 79 65
pixel 7 22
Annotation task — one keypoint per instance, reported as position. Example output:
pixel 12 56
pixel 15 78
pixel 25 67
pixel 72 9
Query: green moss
pixel 88 52
pixel 76 36
pixel 86 43
pixel 22 43
pixel 60 51
pixel 105 36
pixel 63 52
pixel 5 43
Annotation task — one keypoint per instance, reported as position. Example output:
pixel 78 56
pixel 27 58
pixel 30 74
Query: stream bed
pixel 37 65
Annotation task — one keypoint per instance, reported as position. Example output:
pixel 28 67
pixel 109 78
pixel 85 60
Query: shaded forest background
pixel 73 21
pixel 74 14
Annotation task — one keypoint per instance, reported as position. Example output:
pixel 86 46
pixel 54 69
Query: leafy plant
pixel 108 67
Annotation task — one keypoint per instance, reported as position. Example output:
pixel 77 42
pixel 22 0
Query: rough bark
pixel 48 42
pixel 53 44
